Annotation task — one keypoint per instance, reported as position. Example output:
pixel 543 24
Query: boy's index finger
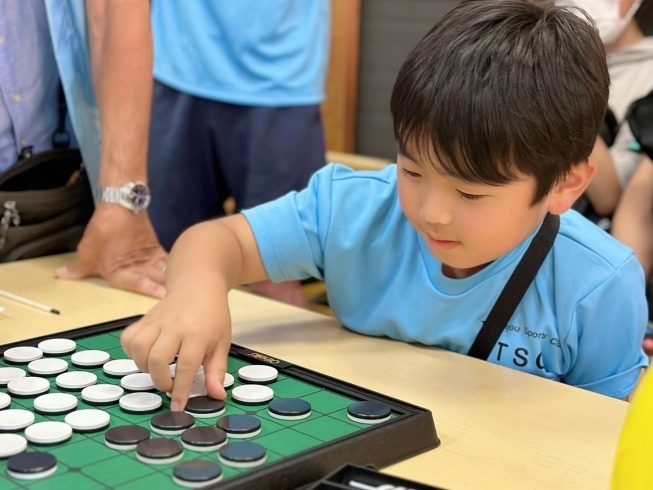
pixel 188 362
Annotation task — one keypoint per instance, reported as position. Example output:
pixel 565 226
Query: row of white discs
pixel 17 383
pixel 45 433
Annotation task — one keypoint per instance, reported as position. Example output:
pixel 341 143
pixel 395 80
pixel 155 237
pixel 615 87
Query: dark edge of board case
pixel 411 433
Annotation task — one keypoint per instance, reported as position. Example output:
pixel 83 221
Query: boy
pixel 496 111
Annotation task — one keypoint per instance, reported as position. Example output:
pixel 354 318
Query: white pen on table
pixel 29 302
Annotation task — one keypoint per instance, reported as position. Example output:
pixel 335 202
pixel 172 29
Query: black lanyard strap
pixel 515 288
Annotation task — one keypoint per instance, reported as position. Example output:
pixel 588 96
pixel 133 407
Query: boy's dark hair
pixel 499 87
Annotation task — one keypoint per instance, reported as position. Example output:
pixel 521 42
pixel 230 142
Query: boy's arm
pixel 193 320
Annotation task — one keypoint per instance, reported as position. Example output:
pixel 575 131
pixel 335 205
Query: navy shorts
pixel 202 151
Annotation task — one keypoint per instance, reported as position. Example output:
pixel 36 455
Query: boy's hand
pixel 197 328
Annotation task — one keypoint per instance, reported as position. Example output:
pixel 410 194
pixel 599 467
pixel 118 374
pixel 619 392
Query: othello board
pixel 279 428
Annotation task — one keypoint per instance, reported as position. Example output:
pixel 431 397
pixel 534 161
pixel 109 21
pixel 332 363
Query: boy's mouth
pixel 442 244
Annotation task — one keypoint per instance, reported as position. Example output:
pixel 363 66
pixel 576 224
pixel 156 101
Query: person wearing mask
pixel 630 62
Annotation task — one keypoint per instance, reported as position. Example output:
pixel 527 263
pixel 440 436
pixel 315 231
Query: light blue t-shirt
pixel 581 321
pixel 69 36
pixel 271 53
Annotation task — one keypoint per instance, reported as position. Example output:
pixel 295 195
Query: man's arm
pixel 118 244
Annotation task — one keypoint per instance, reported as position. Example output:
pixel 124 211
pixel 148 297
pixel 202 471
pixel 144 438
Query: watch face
pixel 140 197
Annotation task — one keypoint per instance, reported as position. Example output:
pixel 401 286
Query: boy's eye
pixel 409 173
pixel 471 197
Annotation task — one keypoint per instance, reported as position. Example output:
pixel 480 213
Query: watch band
pixel 111 195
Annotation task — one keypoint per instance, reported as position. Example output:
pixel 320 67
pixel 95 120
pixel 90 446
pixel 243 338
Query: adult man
pixel 78 43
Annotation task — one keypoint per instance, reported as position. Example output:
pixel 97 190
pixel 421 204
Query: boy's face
pixel 466 226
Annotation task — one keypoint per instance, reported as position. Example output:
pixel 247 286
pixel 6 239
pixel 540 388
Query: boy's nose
pixel 435 209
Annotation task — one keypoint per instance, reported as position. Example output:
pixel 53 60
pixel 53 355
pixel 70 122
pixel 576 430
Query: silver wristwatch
pixel 134 196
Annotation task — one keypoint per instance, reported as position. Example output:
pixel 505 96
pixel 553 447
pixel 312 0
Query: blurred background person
pixel 630 62
pixel 236 109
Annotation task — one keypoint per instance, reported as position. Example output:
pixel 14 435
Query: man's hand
pixel 124 249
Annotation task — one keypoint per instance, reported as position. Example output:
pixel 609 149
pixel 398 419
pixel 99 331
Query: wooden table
pixel 500 429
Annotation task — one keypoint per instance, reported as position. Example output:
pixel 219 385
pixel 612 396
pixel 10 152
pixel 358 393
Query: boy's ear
pixel 568 189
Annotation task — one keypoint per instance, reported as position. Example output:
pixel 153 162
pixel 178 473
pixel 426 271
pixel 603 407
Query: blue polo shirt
pixel 581 321
pixel 271 53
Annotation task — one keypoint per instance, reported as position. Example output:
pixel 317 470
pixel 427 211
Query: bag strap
pixel 61 138
pixel 515 288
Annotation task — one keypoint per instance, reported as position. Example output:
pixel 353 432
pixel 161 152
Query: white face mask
pixel 605 13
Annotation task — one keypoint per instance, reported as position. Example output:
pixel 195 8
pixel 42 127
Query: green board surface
pixel 84 461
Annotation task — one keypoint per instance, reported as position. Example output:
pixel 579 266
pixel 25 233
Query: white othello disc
pixel 252 393
pixel 48 432
pixel 228 381
pixel 88 420
pixel 23 355
pixel 10 373
pixel 137 382
pixel 29 386
pixel 173 370
pixel 55 403
pixel 11 444
pixel 75 380
pixel 56 347
pixel 258 374
pixel 197 389
pixel 102 394
pixel 15 420
pixel 120 367
pixel 5 401
pixel 48 366
pixel 140 402
pixel 90 358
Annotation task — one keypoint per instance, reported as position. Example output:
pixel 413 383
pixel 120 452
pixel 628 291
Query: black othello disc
pixel 242 454
pixel 197 474
pixel 240 426
pixel 159 451
pixel 31 466
pixel 126 437
pixel 172 423
pixel 369 412
pixel 205 407
pixel 289 408
pixel 203 439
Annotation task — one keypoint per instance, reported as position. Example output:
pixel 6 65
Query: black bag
pixel 45 203
pixel 640 120
pixel 45 199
